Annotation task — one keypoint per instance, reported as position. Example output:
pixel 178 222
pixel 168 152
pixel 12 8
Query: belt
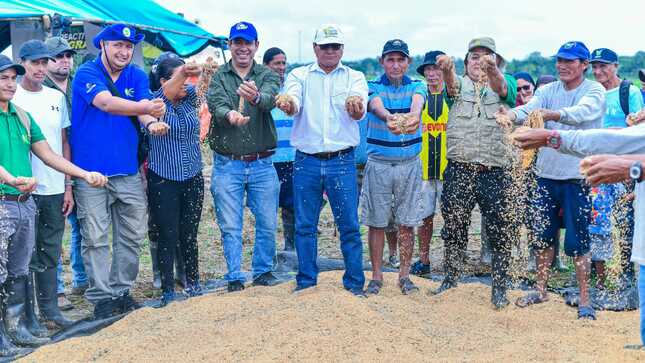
pixel 250 157
pixel 16 198
pixel 331 154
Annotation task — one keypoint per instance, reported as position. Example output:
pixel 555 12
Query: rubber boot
pixel 289 230
pixel 48 299
pixel 500 263
pixel 15 314
pixel 32 322
pixel 485 256
pixel 7 348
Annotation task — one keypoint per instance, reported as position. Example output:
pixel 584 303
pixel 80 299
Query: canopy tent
pixel 163 28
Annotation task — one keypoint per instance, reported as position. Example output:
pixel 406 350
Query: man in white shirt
pixel 49 108
pixel 327 99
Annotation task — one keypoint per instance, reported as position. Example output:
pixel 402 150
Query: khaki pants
pixel 122 203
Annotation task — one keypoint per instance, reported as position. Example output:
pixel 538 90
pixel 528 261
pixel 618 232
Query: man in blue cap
pixel 110 104
pixel 243 138
pixel 572 103
pixel 622 99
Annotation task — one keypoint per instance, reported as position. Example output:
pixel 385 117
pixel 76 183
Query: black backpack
pixel 623 94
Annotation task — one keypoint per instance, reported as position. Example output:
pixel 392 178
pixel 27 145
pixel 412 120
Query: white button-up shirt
pixel 321 122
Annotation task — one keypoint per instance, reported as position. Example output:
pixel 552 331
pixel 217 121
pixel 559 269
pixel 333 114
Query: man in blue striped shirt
pixel 393 173
pixel 276 60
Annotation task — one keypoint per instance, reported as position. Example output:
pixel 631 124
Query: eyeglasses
pixel 330 46
pixel 67 55
pixel 524 88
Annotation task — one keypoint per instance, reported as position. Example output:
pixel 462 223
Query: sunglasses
pixel 67 55
pixel 524 88
pixel 330 46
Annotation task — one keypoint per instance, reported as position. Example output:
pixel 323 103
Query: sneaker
pixel 166 298
pixel 106 308
pixel 393 261
pixel 358 292
pixel 79 290
pixel 128 303
pixel 235 286
pixel 266 279
pixel 194 289
pixel 63 303
pixel 419 268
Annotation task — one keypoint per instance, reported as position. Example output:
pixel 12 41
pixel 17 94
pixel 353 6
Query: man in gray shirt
pixel 629 145
pixel 572 103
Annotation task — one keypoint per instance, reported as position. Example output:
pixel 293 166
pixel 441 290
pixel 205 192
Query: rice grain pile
pixel 326 323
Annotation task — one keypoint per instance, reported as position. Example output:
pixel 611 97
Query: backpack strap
pixel 24 119
pixel 623 94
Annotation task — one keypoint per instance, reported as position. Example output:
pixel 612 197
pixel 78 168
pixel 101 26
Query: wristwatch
pixel 553 140
pixel 636 171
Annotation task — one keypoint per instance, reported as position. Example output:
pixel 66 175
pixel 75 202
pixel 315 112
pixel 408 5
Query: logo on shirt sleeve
pixel 129 92
pixel 89 87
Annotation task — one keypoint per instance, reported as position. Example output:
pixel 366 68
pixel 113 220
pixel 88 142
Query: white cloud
pixel 518 27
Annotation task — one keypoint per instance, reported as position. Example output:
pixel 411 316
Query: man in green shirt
pixel 20 135
pixel 243 136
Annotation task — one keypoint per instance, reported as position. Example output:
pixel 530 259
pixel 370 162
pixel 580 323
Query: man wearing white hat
pixel 327 100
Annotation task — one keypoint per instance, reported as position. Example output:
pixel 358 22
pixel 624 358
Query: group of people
pixel 116 150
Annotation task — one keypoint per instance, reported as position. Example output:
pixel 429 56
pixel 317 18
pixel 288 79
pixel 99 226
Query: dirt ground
pixel 326 323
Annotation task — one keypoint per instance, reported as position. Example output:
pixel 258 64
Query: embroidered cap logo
pixel 241 26
pixel 569 45
pixel 127 32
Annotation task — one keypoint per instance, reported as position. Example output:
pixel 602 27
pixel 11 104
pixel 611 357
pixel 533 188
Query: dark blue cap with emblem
pixel 395 45
pixel 244 30
pixel 116 32
pixel 604 55
pixel 573 50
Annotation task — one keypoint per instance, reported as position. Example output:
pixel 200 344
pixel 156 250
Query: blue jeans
pixel 79 277
pixel 641 300
pixel 337 177
pixel 231 180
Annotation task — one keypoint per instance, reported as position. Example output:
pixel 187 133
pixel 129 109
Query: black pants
pixel 175 212
pixel 50 226
pixel 466 185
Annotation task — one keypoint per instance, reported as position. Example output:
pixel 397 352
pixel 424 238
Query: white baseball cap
pixel 329 34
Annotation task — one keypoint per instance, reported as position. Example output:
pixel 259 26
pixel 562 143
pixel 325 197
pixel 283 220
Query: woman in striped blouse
pixel 175 182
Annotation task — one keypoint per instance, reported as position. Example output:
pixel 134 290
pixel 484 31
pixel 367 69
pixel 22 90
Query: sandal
pixel 374 287
pixel 407 286
pixel 530 299
pixel 586 312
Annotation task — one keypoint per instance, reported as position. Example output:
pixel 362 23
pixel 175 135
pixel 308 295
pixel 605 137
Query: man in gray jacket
pixel 572 103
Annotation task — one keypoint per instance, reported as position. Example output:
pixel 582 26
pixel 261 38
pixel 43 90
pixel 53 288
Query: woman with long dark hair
pixel 175 182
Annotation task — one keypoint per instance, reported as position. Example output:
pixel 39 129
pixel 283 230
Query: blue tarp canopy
pixel 162 27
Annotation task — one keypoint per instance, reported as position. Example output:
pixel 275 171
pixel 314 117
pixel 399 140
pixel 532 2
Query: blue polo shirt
pixel 101 141
pixel 380 141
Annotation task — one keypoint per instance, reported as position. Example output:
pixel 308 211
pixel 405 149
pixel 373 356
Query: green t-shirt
pixel 15 146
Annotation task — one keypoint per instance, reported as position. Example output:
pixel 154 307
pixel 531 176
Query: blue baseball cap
pixel 573 50
pixel 34 49
pixel 604 55
pixel 117 32
pixel 6 63
pixel 244 30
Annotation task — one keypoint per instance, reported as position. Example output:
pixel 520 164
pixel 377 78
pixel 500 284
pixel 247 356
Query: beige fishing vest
pixel 473 135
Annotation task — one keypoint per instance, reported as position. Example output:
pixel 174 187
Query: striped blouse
pixel 176 156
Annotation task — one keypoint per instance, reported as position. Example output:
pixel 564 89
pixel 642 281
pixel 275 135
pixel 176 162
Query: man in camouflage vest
pixel 479 162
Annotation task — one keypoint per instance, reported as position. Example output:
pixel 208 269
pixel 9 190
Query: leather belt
pixel 331 154
pixel 16 198
pixel 250 157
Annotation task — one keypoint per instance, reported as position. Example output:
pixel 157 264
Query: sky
pixel 518 27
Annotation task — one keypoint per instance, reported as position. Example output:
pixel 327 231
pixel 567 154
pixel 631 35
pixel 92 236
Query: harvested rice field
pixel 328 324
